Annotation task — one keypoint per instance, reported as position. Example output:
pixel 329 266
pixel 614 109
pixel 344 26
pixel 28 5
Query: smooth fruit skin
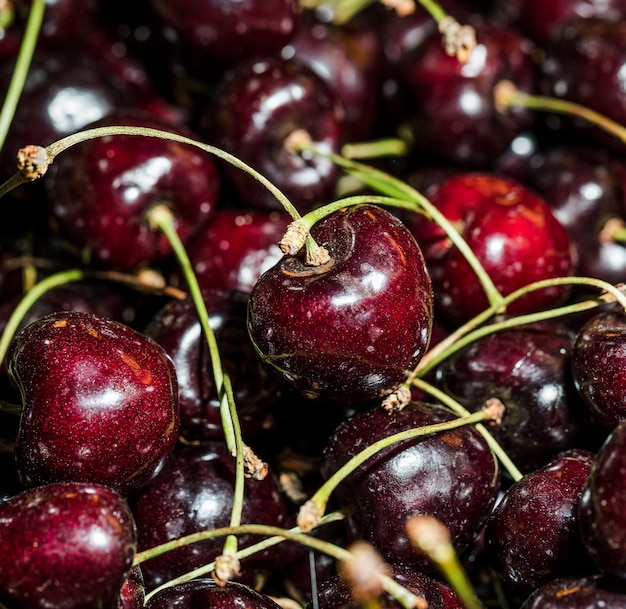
pixel 602 508
pixel 65 545
pixel 578 593
pixel 452 476
pixel 349 329
pixel 597 363
pixel 204 593
pixel 100 402
pixel 512 232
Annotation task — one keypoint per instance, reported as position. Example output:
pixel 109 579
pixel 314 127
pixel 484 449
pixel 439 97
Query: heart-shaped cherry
pixel 100 402
pixel 348 329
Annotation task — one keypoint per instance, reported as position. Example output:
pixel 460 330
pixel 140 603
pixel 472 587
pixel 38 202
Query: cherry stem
pixel 22 65
pixel 162 218
pixel 393 187
pixel 507 95
pixel 457 408
pixel 7 14
pixel 315 507
pixel 431 536
pixel 377 149
pixel 470 331
pixel 404 596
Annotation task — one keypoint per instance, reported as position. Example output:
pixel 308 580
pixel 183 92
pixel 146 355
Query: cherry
pixel 132 594
pixel 512 232
pixel 528 369
pixel 599 347
pixel 346 330
pixel 236 247
pixel 532 534
pixel 65 545
pixel 100 193
pixel 100 402
pixel 254 109
pixel 206 593
pixel 452 476
pixel 454 117
pixel 177 329
pixel 577 593
pixel 194 492
pixel 334 593
pixel 601 511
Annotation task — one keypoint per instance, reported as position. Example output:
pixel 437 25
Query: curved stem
pixel 316 505
pixel 453 405
pixel 22 65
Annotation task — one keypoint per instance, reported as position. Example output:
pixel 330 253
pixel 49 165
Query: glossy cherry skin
pixel 206 593
pixel 236 247
pixel 582 186
pixel 532 535
pixel 67 545
pixel 346 330
pixel 585 63
pixel 454 115
pixel 100 402
pixel 194 492
pixel 602 507
pixel 132 594
pixel 512 232
pixel 254 109
pixel 596 362
pixel 99 194
pixel 528 369
pixel 335 594
pixel 452 476
pixel 578 593
pixel 177 329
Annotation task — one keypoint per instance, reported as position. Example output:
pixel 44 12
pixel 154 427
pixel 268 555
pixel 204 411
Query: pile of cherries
pixel 297 273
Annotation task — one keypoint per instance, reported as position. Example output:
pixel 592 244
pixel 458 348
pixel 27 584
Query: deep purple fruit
pixel 348 329
pixel 66 545
pixel 100 402
pixel 578 593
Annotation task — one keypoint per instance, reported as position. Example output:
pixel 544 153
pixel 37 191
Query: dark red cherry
pixel 334 593
pixel 454 117
pixel 582 186
pixel 194 492
pixel 528 369
pixel 100 402
pixel 68 545
pixel 532 535
pixel 350 59
pixel 206 593
pixel 452 476
pixel 132 594
pixel 100 192
pixel 255 108
pixel 236 247
pixel 512 232
pixel 346 330
pixel 177 329
pixel 602 508
pixel 585 63
pixel 596 361
pixel 578 593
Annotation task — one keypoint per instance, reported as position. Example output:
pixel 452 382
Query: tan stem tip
pixel 309 516
pixel 33 161
pixel 458 40
pixel 226 568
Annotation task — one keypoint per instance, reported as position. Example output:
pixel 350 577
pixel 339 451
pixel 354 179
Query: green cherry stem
pixel 453 405
pixel 471 331
pixel 162 218
pixel 22 65
pixel 376 149
pixel 315 507
pixel 507 95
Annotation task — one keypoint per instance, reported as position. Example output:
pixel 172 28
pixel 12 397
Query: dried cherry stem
pixel 405 597
pixel 432 537
pixel 507 95
pixel 614 230
pixel 22 65
pixel 390 186
pixel 472 331
pixel 453 405
pixel 162 219
pixel 7 14
pixel 315 507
